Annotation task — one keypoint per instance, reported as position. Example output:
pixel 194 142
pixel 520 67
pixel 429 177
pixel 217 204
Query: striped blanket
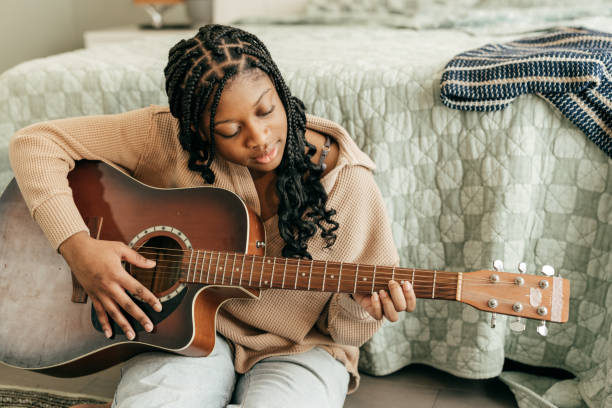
pixel 569 67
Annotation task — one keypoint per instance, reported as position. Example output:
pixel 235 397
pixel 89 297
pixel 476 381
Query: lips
pixel 267 157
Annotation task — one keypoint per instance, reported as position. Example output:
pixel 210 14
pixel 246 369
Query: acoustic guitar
pixel 209 248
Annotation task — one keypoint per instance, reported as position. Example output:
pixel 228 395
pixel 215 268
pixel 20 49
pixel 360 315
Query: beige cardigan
pixel 145 144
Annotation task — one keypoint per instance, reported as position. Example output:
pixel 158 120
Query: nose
pixel 259 135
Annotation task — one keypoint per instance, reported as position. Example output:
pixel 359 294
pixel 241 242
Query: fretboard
pixel 253 271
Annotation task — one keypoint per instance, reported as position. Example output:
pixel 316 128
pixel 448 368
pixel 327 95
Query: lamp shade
pixel 159 2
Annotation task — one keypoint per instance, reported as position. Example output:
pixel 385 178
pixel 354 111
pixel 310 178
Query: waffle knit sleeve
pixel 364 236
pixel 42 154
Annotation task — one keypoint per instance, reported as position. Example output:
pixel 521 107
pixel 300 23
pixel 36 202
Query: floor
pixel 416 386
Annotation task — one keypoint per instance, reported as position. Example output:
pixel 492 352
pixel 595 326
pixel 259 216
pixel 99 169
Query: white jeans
pixel 310 379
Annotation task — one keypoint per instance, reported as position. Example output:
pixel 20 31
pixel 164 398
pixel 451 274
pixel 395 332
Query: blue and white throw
pixel 569 67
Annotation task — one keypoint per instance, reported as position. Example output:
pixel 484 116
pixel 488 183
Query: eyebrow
pixel 255 104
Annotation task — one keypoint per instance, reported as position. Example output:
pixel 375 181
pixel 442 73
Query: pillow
pixel 473 15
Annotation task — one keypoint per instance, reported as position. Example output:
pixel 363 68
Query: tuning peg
pixel 547 270
pixel 542 329
pixel 517 325
pixel 493 319
pixel 498 265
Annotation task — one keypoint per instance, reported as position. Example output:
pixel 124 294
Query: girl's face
pixel 250 123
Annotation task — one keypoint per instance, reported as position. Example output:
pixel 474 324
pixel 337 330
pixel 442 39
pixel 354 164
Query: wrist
pixel 67 247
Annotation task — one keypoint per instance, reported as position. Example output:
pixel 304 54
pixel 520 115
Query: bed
pixel 462 188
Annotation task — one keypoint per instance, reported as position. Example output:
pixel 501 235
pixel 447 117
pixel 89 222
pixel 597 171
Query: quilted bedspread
pixel 462 188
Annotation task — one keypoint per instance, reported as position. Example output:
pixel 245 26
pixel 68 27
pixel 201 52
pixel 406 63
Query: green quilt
pixel 462 188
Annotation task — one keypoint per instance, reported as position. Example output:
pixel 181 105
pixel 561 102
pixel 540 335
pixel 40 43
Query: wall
pixel 38 28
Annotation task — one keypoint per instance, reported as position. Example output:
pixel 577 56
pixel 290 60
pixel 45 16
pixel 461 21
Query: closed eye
pixel 238 131
pixel 229 136
pixel 269 112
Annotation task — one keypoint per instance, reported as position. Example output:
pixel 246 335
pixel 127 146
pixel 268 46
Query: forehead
pixel 240 92
pixel 247 82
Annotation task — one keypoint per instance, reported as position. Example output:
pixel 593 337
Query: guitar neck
pixel 252 271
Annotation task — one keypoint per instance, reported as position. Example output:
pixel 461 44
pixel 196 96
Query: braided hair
pixel 196 74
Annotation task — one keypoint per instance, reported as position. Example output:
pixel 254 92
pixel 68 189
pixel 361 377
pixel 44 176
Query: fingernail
pixel 148 327
pixel 375 296
pixel 108 333
pixel 150 262
pixel 131 335
pixel 383 294
pixel 392 283
pixel 407 285
pixel 157 307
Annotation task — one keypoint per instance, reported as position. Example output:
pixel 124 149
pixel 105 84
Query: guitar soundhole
pixel 168 255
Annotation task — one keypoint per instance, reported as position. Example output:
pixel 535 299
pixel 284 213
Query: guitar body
pixel 43 324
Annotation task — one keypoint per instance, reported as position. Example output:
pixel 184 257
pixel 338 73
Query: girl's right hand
pixel 97 266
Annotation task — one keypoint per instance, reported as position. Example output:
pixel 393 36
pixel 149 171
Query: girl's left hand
pixel 387 304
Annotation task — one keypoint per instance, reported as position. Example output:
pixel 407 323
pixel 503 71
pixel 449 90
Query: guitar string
pixel 479 295
pixel 442 287
pixel 181 272
pixel 182 269
pixel 449 283
pixel 292 262
pixel 252 258
pixel 425 291
pixel 476 295
pixel 230 253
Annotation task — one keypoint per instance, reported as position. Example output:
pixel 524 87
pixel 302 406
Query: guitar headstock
pixel 544 297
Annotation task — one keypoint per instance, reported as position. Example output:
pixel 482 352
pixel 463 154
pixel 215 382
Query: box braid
pixel 198 70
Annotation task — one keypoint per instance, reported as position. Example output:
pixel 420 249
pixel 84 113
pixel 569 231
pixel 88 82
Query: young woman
pixel 231 123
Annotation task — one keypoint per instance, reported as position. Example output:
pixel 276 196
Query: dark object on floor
pixel 31 398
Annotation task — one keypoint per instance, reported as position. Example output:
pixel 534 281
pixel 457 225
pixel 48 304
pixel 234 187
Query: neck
pixel 262 177
pixel 233 269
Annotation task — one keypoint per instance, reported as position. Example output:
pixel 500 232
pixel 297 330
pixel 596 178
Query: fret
pixel 189 268
pixel 263 263
pixel 310 273
pixel 356 274
pixel 252 265
pixel 242 268
pixel 324 275
pixel 217 266
pixel 412 283
pixel 209 265
pixel 297 271
pixel 202 266
pixel 393 274
pixel 224 269
pixel 373 279
pixel 195 266
pixel 233 267
pixel 339 277
pixel 272 277
pixel 433 288
pixel 284 273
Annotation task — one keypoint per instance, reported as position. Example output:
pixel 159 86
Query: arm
pixel 41 156
pixel 364 236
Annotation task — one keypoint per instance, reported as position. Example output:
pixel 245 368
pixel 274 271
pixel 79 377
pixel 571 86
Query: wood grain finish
pixel 36 282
